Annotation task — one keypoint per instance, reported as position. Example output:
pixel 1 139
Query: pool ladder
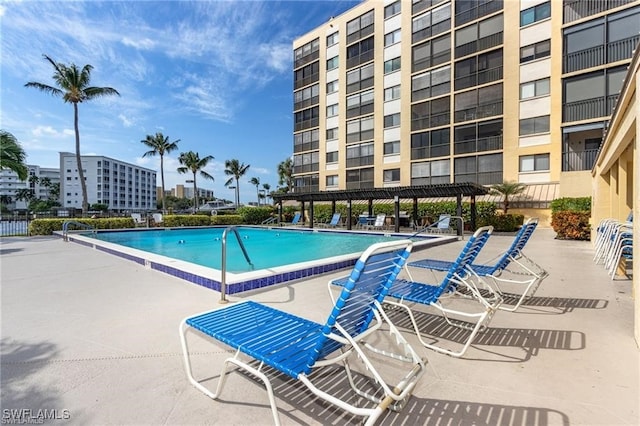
pixel 65 228
pixel 223 269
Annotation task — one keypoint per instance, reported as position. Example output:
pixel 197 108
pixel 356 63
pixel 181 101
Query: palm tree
pixel 256 182
pixel 160 145
pixel 191 162
pixel 73 87
pixel 236 170
pixel 24 194
pixel 12 156
pixel 507 189
pixel 285 172
pixel 267 189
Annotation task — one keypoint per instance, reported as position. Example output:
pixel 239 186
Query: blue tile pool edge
pixel 343 262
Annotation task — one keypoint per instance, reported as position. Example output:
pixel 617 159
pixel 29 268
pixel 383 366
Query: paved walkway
pixel 95 338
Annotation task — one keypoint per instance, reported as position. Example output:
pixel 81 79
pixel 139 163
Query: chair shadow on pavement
pixel 562 304
pixel 422 411
pixel 529 340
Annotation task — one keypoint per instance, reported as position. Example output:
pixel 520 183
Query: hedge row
pixel 503 222
pixel 574 204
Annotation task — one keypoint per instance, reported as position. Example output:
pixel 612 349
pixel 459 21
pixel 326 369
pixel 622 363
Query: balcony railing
pixel 476 12
pixel 622 49
pixel 574 161
pixel 489 143
pixel 307 80
pixel 306 59
pixel 483 178
pixel 583 110
pixel 582 59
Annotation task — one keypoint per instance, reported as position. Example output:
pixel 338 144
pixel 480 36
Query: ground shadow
pixel 22 388
pixel 9 250
pixel 531 340
pixel 423 411
pixel 563 304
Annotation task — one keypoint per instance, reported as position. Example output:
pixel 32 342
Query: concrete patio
pixel 95 338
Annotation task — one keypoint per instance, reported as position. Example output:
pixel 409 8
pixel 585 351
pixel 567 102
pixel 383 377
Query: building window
pixel 392 38
pixel 391 175
pixel 360 155
pixel 431 53
pixel 430 172
pixel 332 63
pixel 306 118
pixel 360 178
pixel 332 157
pixel 392 148
pixel 478 103
pixel 332 39
pixel 535 51
pixel 391 93
pixel 478 137
pixel 306 97
pixel 477 70
pixel 307 50
pixel 535 14
pixel 431 83
pixel 480 36
pixel 360 129
pixel 534 125
pixel 482 169
pixel 430 144
pixel 436 112
pixel 305 163
pixel 431 23
pixel 592 95
pixel 332 110
pixel 306 141
pixel 302 77
pixel 533 89
pixel 360 104
pixel 360 27
pixel 332 180
pixel 360 78
pixel 534 163
pixel 332 86
pixel 392 9
pixel 392 65
pixel 360 52
pixel 467 11
pixel 332 133
pixel 392 120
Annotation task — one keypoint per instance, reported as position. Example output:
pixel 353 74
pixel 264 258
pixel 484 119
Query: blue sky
pixel 215 74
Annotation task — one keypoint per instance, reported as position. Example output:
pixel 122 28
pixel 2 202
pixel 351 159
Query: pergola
pixel 448 190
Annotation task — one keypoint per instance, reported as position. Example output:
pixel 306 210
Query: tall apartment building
pixel 10 185
pixel 182 191
pixel 396 93
pixel 119 185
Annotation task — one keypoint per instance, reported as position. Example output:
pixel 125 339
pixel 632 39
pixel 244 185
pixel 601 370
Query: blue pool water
pixel 267 248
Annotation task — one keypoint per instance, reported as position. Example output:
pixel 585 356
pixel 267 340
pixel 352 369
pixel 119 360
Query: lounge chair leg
pixel 223 374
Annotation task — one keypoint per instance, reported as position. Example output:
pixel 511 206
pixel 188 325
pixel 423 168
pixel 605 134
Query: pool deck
pixel 97 335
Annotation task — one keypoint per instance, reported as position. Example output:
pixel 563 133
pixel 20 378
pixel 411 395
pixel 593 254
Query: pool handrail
pixel 223 266
pixel 426 228
pixel 65 228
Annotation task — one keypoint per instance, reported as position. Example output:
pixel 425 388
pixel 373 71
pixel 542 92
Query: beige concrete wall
pixel 576 184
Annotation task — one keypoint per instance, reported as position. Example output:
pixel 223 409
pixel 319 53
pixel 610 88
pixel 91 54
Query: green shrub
pixel 48 226
pixel 227 219
pixel 571 225
pixel 254 215
pixel 176 220
pixel 577 204
pixel 503 222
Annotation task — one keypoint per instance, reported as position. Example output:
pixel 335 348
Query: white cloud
pixel 126 122
pixel 142 44
pixel 50 132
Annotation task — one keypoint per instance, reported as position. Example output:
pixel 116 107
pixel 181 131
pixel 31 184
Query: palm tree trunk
pixel 195 194
pixel 164 207
pixel 83 184
pixel 237 193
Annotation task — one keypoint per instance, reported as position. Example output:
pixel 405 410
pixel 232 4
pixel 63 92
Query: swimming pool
pixel 277 254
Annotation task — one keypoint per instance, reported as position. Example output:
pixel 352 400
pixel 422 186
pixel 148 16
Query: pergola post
pixel 459 214
pixel 473 213
pixel 396 212
pixel 302 210
pixel 280 212
pixel 311 214
pixel 349 215
pixel 370 207
pixel 415 213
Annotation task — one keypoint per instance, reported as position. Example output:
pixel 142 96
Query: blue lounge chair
pixel 295 346
pixel 458 275
pixel 335 220
pixel 513 258
pixel 441 226
pixel 295 221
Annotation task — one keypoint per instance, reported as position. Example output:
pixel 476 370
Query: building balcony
pixel 574 161
pixel 578 9
pixel 589 108
pixel 489 143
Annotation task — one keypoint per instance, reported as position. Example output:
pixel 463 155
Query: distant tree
pixel 12 156
pixel 25 194
pixel 255 181
pixel 54 191
pixel 236 170
pixel 73 87
pixel 507 189
pixel 191 162
pixel 160 145
pixel 5 199
pixel 267 189
pixel 285 174
pixel 99 207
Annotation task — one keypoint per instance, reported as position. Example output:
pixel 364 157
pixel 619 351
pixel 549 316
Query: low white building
pixel 119 185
